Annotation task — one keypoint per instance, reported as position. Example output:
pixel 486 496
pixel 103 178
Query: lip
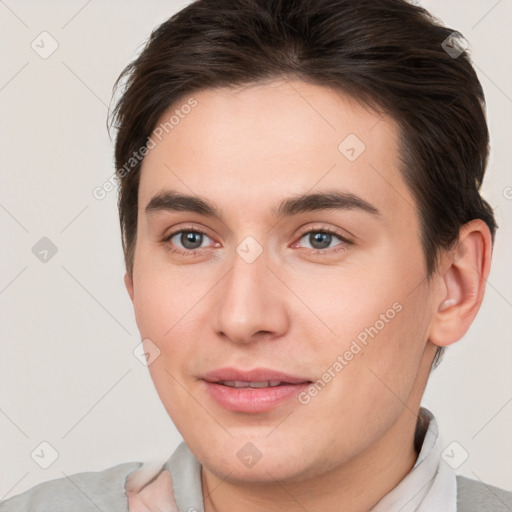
pixel 252 400
pixel 254 375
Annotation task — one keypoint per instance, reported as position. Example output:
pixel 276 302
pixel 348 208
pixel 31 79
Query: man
pixel 304 234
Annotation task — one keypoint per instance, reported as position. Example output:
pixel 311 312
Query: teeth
pixel 244 384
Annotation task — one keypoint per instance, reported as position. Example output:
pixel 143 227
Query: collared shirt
pixel 431 485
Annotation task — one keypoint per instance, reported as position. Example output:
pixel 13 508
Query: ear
pixel 462 285
pixel 128 282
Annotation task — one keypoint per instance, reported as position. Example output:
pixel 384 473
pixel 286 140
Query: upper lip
pixel 254 375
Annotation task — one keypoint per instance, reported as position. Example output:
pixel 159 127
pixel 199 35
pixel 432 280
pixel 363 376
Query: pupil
pixel 191 240
pixel 320 240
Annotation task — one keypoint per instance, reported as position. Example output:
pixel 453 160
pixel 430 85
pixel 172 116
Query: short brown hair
pixel 388 54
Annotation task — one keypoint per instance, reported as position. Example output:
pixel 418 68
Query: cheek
pixel 163 298
pixel 351 303
pixel 171 309
pixel 380 323
pixel 387 367
pixel 165 315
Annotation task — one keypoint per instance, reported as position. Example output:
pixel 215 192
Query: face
pixel 329 291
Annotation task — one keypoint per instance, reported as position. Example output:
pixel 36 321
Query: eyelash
pixel 193 252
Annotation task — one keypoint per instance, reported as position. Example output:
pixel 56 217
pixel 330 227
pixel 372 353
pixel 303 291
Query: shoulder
pixel 473 496
pixel 80 492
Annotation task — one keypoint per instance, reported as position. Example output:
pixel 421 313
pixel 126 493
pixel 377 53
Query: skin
pixel 295 309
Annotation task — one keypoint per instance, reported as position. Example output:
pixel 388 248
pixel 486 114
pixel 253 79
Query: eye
pixel 186 241
pixel 322 239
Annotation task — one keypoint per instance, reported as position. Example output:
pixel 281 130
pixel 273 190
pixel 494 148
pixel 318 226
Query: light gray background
pixel 68 374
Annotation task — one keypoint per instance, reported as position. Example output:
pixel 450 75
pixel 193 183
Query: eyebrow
pixel 170 200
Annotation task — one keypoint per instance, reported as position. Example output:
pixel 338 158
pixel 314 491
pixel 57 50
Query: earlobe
pixel 463 284
pixel 128 282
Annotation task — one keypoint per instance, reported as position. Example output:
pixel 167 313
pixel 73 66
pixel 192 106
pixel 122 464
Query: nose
pixel 250 303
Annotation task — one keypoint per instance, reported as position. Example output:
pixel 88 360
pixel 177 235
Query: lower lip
pixel 253 399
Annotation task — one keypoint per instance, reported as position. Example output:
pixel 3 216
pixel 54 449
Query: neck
pixel 355 486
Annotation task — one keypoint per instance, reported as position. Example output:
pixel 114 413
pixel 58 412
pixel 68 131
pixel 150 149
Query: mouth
pixel 252 385
pixel 260 377
pixel 253 391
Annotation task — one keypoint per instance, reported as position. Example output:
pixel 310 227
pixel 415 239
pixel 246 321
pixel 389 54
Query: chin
pixel 258 462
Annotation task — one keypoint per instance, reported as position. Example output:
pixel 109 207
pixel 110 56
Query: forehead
pixel 251 145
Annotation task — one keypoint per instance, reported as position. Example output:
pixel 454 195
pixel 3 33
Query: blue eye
pixel 190 240
pixel 321 240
